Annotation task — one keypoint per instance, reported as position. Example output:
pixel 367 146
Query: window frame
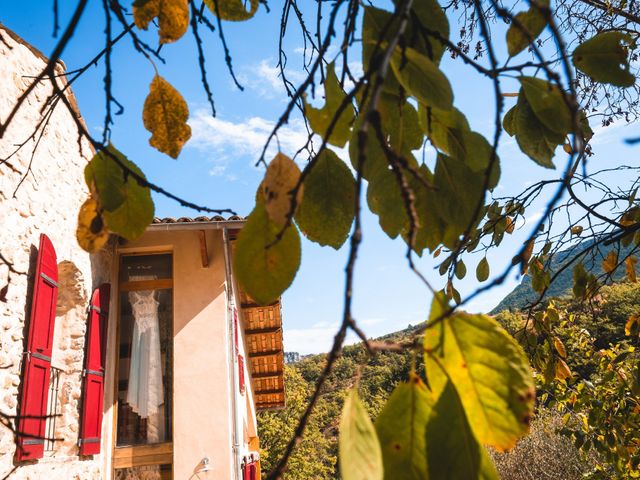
pixel 150 454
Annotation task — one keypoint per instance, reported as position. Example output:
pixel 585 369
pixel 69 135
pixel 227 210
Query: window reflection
pixel 144 376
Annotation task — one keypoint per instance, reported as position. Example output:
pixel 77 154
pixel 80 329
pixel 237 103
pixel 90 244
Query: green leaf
pixel 605 58
pixel 533 138
pixel 128 207
pixel 378 26
pixel 360 454
pixel 459 190
pixel 401 427
pixel 400 123
pixel 482 270
pixel 328 205
pixel 321 118
pixel 375 159
pixel 165 115
pixel 431 17
pixel 233 10
pixel 548 104
pixel 580 281
pixel 461 270
pixel 488 369
pixel 422 79
pixel 265 269
pixel 384 198
pixel 430 228
pixel 445 129
pixel 453 451
pixel 533 21
pixel 509 121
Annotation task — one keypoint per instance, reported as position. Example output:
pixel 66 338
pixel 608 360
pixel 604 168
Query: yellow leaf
pixel 281 178
pixel 577 230
pixel 557 343
pixel 526 255
pixel 630 266
pixel 633 319
pixel 232 10
pixel 172 15
pixel 91 233
pixel 511 225
pixel 562 369
pixel 610 262
pixel 165 115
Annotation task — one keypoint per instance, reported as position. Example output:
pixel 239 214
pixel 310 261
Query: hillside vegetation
pixel 545 453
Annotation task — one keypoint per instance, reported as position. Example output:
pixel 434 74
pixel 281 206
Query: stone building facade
pixel 40 190
pixel 221 355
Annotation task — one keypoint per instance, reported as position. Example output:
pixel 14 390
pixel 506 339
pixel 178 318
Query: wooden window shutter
pixel 37 364
pixel 241 380
pixel 93 374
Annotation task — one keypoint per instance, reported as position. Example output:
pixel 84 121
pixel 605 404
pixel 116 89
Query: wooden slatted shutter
pixel 93 374
pixel 37 364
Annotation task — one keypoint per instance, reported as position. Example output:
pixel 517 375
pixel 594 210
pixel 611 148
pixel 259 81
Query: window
pixel 145 354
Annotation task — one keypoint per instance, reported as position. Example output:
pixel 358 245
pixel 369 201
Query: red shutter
pixel 93 382
pixel 241 374
pixel 236 331
pixel 37 365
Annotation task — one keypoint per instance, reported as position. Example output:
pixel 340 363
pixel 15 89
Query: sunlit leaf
pixel 482 270
pixel 422 78
pixel 266 267
pixel 452 449
pixel 165 115
pixel 281 178
pixel 630 268
pixel 321 118
pixel 562 370
pixel 172 15
pixel 233 10
pixel 631 321
pixel 547 103
pixel 328 205
pixel 91 232
pixel 604 58
pixel 533 22
pixel 559 346
pixel 127 206
pixel 401 429
pixel 360 453
pixel 488 369
pixel 610 262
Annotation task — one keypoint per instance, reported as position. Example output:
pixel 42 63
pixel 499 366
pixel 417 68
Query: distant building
pixel 145 361
pixel 291 357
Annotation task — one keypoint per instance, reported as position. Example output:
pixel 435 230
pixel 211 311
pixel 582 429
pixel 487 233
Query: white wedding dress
pixel 145 393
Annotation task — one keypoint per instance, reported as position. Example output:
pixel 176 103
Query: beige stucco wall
pixel 46 202
pixel 201 373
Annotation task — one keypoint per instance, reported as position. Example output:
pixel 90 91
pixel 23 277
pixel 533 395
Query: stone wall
pixel 41 190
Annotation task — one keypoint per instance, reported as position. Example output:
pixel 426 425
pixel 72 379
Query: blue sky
pixel 216 168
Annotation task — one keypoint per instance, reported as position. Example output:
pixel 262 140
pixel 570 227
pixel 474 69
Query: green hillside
pixel 550 455
pixel 523 295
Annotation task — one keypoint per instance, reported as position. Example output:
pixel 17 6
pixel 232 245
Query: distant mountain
pixel 521 296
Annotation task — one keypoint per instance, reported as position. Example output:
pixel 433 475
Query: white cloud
pixel 225 141
pixel 264 79
pixel 316 339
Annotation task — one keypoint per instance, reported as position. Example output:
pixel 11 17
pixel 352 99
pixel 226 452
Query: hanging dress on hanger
pixel 145 393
